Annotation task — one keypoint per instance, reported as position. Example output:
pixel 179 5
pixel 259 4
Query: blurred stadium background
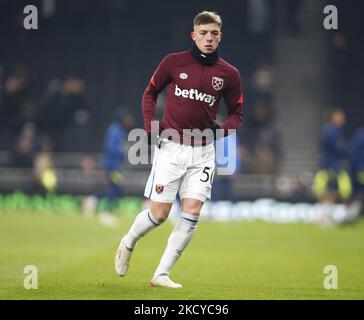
pixel 59 88
pixel 60 84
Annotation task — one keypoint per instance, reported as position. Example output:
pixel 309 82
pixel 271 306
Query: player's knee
pixel 194 211
pixel 160 214
pixel 160 211
pixel 191 206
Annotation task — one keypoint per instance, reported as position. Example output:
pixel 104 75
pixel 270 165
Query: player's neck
pixel 206 59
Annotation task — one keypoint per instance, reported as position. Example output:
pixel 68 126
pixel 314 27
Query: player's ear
pixel 193 36
pixel 220 36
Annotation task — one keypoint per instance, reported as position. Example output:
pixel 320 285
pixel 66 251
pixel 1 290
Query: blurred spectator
pixel 346 64
pixel 44 168
pixel 297 187
pixel 77 134
pixel 263 81
pixel 260 118
pixel 339 72
pixel 51 111
pixel 25 148
pixel 267 152
pixel 65 114
pixel 332 182
pixel 114 151
pixel 356 157
pixel 14 94
pixel 114 142
pixel 88 164
pixel 28 113
pixel 260 141
pixel 340 54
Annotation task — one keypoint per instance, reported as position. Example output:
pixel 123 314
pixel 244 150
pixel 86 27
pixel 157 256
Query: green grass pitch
pixel 242 260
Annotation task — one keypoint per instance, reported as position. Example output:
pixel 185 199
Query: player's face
pixel 207 37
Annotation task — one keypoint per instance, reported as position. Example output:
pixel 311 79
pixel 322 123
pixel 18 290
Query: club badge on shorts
pixel 159 188
pixel 217 83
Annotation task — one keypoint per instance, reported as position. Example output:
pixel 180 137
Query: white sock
pixel 177 242
pixel 144 222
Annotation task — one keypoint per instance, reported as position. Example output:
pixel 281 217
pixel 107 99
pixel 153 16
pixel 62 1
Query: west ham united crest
pixel 217 83
pixel 159 188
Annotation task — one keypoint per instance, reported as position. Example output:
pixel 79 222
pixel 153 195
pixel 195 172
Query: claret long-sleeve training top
pixel 194 91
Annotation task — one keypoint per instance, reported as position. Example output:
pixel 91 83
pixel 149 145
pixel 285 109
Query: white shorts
pixel 183 168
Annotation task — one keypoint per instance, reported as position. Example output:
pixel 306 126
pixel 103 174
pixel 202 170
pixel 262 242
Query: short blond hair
pixel 206 17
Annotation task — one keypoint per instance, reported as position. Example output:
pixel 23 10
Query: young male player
pixel 195 80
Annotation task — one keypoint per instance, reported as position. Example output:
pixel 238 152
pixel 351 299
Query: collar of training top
pixel 206 59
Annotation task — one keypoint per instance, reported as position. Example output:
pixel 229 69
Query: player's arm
pixel 233 97
pixel 160 79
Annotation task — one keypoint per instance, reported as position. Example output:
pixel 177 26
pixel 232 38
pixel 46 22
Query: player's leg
pixel 177 242
pixel 145 221
pixel 161 188
pixel 195 189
